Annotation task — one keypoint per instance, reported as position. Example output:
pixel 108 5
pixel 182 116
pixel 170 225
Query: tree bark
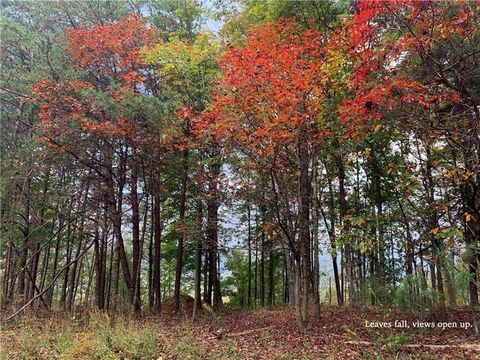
pixel 303 225
pixel 181 232
pixel 197 307
pixel 316 264
pixel 136 242
pixel 157 245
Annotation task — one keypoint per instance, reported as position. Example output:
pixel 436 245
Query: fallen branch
pixel 429 346
pixel 54 280
pixel 247 332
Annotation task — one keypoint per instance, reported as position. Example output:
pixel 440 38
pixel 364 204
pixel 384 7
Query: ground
pixel 341 333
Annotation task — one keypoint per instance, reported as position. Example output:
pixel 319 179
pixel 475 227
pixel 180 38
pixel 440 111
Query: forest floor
pixel 341 333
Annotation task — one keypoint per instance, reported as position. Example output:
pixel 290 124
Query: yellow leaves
pixel 363 247
pixel 449 242
pixel 458 174
pixel 178 57
pixel 434 231
pixel 467 175
pixel 377 128
pixel 450 173
pixel 468 217
pixel 362 222
pixel 389 168
pixel 333 70
pixel 268 228
pixel 357 222
pixel 367 151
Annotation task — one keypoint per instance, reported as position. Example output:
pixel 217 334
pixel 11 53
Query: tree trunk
pixel 262 258
pixel 151 298
pixel 333 242
pixel 207 289
pixel 68 257
pixel 136 242
pixel 316 264
pixel 271 285
pixel 303 225
pixel 212 234
pixel 249 245
pixel 26 240
pixel 157 245
pixel 197 307
pixel 437 246
pixel 344 222
pixel 181 232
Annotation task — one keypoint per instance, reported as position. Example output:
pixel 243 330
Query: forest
pixel 240 179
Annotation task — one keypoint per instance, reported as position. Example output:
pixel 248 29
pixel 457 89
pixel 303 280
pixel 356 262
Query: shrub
pixel 134 342
pixel 92 343
pixel 184 346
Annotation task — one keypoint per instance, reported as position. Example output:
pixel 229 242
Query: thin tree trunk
pixel 342 200
pixel 304 226
pixel 26 240
pixel 151 297
pixel 333 242
pixel 157 245
pixel 181 232
pixel 262 258
pixel 316 264
pixel 136 242
pixel 197 307
pixel 249 245
pixel 271 284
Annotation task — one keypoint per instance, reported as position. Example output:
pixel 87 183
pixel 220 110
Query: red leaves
pixel 79 109
pixel 267 85
pixel 384 55
pixel 111 49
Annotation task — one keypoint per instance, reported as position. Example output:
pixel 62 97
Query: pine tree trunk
pixel 316 264
pixel 136 245
pixel 249 245
pixel 181 232
pixel 26 241
pixel 157 245
pixel 197 307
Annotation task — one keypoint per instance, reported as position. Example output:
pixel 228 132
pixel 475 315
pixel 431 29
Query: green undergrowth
pixel 99 338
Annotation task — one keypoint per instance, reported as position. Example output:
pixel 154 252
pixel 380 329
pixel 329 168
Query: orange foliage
pixel 377 81
pixel 110 55
pixel 270 87
pixel 112 49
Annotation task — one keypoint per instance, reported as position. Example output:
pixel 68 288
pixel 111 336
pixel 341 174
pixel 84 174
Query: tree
pixel 187 70
pixel 428 72
pixel 78 116
pixel 270 97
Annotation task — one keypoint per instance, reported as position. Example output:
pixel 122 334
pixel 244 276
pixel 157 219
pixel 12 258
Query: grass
pixel 104 339
pixel 100 338
pixel 184 345
pixel 262 334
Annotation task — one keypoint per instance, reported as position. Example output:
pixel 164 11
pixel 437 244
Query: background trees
pixel 143 158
